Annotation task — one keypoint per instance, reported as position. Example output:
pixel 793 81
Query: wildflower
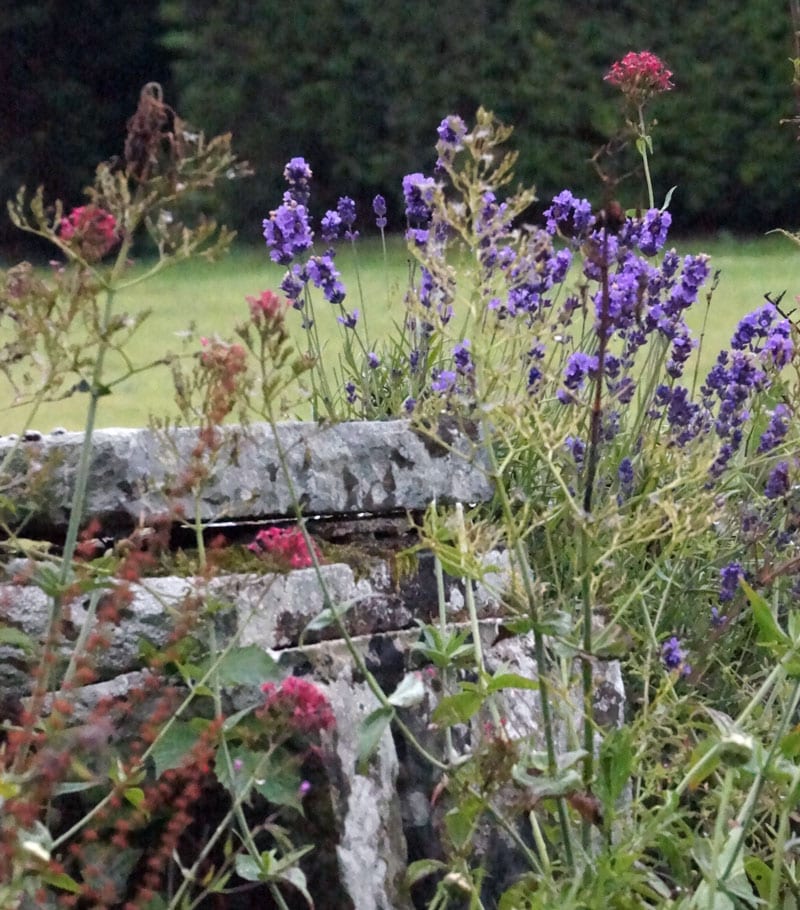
pixel 298 175
pixel 330 226
pixel 286 544
pixel 462 357
pixel 717 619
pixel 91 229
pixel 451 132
pixel 654 229
pixel 674 657
pixel 418 192
pixel 639 76
pixel 579 366
pixel 577 448
pixel 350 392
pixel 293 283
pixel 379 207
pixel 346 209
pixel 287 232
pixel 267 307
pixel 778 481
pixel 348 320
pixel 729 581
pixel 569 215
pixel 373 361
pixel 325 275
pixel 776 428
pixel 300 703
pixel 443 381
pixel 625 474
pixel 409 404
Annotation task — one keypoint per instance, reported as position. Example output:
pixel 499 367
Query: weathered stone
pixel 335 469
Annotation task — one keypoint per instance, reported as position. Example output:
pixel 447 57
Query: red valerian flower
pixel 92 229
pixel 287 545
pixel 300 703
pixel 640 75
pixel 267 306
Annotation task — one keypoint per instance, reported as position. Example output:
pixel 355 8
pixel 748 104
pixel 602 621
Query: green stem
pixel 642 144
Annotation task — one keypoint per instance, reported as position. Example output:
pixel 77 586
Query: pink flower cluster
pixel 92 229
pixel 267 307
pixel 640 75
pixel 299 702
pixel 287 544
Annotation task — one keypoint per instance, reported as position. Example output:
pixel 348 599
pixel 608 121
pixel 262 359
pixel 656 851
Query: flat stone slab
pixel 346 468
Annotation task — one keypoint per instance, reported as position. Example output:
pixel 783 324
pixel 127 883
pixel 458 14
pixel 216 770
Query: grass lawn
pixel 209 298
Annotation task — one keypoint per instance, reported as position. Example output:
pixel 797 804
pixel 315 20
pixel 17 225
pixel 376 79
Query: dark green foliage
pixel 359 87
pixel 71 75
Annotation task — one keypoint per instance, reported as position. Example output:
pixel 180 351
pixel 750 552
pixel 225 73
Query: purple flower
pixel 418 192
pixel 330 226
pixel 625 474
pixel 348 320
pixel 443 381
pixel 653 234
pixel 451 131
pixel 569 215
pixel 350 392
pixel 379 207
pixel 776 428
pixel 324 274
pixel 462 357
pixel 293 283
pixel 577 448
pixel 373 361
pixel 346 208
pixel 287 232
pixel 717 620
pixel 579 366
pixel 729 581
pixel 778 481
pixel 298 175
pixel 673 656
pixel 409 404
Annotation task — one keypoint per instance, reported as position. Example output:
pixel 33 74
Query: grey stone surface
pixel 336 469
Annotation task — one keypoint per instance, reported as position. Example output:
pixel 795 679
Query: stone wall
pixel 349 477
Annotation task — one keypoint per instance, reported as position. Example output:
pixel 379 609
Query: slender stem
pixel 643 152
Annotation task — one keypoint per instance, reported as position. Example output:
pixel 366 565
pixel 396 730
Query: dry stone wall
pixel 356 473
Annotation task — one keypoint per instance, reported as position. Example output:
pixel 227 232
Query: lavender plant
pixel 639 502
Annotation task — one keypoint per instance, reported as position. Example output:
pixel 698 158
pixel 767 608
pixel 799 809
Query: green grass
pixel 209 298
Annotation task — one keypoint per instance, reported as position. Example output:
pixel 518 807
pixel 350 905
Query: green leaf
pixel 511 681
pixel 369 735
pixel 248 666
pixel 173 746
pixel 460 820
pixel 327 617
pixel 249 868
pixel 61 880
pixel 422 868
pixel 410 691
pixel 458 708
pixel 668 198
pixel 759 874
pixel 11 636
pixel 614 765
pixel 769 632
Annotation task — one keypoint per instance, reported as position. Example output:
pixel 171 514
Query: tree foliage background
pixel 358 87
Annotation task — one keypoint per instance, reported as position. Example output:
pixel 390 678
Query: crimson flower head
pixel 267 307
pixel 92 229
pixel 299 703
pixel 639 76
